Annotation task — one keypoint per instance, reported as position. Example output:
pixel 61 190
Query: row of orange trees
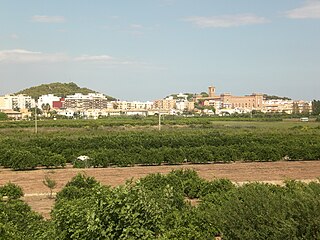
pixel 125 148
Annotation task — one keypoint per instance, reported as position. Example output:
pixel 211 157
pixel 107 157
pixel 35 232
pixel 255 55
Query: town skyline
pixel 146 50
pixel 96 105
pixel 219 92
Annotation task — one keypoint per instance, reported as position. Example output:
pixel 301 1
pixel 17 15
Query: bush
pixel 11 190
pixel 54 160
pixel 23 160
pixel 79 186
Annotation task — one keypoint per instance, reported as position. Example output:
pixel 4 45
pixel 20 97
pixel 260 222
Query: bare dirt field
pixel 275 172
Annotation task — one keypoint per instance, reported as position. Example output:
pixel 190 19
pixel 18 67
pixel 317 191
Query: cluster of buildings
pixel 94 105
pixel 226 103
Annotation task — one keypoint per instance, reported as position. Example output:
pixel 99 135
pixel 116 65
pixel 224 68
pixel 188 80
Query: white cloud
pixel 105 60
pixel 98 58
pixel 310 9
pixel 48 19
pixel 225 21
pixel 25 56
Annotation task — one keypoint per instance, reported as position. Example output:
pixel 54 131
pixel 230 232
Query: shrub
pixel 11 190
pixel 23 160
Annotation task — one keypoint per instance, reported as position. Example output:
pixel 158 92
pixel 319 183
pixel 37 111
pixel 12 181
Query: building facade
pixel 47 99
pixel 16 102
pixel 90 101
pixel 228 101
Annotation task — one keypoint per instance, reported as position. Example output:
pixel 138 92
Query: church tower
pixel 212 91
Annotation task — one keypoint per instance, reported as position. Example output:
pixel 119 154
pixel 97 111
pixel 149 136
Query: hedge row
pixel 132 121
pixel 23 159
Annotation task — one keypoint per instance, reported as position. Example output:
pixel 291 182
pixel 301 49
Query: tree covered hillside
pixel 58 89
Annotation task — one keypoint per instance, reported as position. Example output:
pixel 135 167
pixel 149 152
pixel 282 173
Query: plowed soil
pixel 36 194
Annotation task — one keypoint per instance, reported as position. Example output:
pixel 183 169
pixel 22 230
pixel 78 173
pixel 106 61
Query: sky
pixel 147 49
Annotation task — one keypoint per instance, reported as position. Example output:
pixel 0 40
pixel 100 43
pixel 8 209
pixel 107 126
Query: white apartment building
pixel 14 102
pixel 135 105
pixel 182 102
pixel 277 105
pixel 286 106
pixel 47 99
pixel 217 104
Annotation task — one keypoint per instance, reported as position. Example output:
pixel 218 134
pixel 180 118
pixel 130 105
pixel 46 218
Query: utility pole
pixel 35 119
pixel 159 121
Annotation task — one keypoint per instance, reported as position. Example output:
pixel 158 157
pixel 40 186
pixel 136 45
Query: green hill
pixel 58 89
pixel 271 97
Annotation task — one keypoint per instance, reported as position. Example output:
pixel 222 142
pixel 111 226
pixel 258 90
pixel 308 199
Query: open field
pixel 276 172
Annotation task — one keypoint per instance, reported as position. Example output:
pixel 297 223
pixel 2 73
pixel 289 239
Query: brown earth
pixel 36 194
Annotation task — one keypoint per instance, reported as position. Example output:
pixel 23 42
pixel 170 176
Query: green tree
pixel 19 222
pixel 305 109
pixel 46 109
pixel 23 160
pixel 295 108
pixel 316 107
pixel 11 191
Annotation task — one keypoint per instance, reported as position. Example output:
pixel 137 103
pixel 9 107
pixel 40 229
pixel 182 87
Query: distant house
pixel 12 114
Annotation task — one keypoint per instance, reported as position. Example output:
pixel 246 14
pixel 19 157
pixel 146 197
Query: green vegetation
pixel 271 97
pixel 3 116
pixel 158 207
pixel 110 142
pixel 316 107
pixel 127 121
pixel 189 95
pixel 58 89
pixel 11 191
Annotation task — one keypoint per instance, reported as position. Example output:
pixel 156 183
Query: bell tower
pixel 212 91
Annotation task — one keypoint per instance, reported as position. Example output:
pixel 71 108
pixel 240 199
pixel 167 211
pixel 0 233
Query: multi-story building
pixel 47 99
pixel 165 104
pixel 16 102
pixel 90 101
pixel 135 105
pixel 286 106
pixel 277 105
pixel 182 103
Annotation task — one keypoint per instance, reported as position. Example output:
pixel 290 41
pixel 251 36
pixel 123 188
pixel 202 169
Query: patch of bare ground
pixel 273 172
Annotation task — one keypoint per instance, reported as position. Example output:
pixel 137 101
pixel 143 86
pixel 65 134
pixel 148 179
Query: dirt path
pixel 31 181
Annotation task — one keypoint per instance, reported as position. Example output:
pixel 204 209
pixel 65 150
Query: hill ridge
pixel 58 89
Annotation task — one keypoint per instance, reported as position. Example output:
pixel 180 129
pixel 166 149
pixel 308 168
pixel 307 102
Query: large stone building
pixel 228 101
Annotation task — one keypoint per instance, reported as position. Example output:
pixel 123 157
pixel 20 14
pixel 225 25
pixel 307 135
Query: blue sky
pixel 147 49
